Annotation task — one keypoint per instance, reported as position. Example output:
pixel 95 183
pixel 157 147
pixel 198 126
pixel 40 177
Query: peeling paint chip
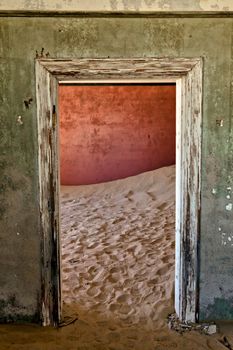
pixel 19 120
pixel 219 122
pixel 229 206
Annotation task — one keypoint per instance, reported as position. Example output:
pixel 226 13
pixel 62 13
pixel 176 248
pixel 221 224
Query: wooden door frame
pixel 187 74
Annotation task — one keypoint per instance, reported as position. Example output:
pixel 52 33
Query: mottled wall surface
pixel 142 6
pixel 111 132
pixel 63 37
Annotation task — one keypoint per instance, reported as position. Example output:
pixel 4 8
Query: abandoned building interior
pixel 117 233
pixel 116 175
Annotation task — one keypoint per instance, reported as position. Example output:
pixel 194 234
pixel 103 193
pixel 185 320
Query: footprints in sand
pixel 118 251
pixel 129 195
pixel 116 276
pixel 151 194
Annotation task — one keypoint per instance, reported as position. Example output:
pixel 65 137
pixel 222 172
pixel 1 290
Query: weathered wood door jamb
pixel 187 73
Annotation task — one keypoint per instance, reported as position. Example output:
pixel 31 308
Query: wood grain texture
pixel 49 196
pixel 108 68
pixel 188 72
pixel 188 205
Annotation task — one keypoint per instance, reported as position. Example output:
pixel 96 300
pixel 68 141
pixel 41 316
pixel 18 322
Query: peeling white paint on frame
pixel 188 74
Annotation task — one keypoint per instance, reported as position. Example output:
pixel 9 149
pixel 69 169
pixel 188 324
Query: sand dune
pixel 118 243
pixel 118 247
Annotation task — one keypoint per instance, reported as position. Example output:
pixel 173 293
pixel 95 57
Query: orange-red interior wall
pixel 111 132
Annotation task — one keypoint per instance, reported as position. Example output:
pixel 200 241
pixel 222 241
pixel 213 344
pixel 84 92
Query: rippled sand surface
pixel 118 247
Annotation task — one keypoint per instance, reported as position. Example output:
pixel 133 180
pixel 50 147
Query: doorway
pixel 187 75
pixel 117 201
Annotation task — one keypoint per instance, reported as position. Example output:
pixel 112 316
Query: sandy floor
pixel 118 248
pixel 118 243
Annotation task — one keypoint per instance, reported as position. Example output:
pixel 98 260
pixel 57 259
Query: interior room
pixel 117 202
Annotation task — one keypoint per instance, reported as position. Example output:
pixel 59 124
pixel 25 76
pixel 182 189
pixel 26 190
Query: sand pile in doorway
pixel 118 271
pixel 118 255
pixel 118 242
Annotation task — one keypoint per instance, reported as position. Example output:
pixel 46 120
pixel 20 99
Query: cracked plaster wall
pixel 20 38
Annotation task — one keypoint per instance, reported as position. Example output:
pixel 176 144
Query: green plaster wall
pixel 20 38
